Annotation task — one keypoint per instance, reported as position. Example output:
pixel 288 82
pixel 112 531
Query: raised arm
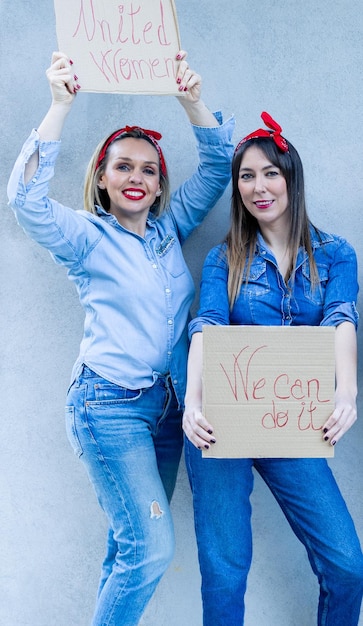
pixel 60 229
pixel 63 86
pixel 345 413
pixel 192 201
pixel 190 84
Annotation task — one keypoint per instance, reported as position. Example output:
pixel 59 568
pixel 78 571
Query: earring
pixel 158 193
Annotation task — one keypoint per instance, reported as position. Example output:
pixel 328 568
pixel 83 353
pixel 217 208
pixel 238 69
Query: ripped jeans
pixel 130 442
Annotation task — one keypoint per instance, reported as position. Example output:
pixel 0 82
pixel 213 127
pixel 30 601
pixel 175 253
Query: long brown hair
pixel 242 235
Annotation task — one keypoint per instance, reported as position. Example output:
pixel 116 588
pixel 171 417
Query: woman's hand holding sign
pixel 190 84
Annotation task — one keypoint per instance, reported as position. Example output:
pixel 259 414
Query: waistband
pixel 162 380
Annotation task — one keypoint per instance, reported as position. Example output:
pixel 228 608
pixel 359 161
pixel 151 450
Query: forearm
pixel 192 201
pixel 193 396
pixel 198 113
pixel 196 427
pixel 50 129
pixel 345 411
pixel 346 359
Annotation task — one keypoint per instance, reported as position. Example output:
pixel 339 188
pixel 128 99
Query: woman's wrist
pixel 51 127
pixel 198 113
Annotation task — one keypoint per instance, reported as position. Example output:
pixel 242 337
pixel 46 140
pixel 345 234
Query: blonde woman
pixel 123 253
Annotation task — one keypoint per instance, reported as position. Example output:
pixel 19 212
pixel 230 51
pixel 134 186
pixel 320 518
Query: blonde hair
pixel 94 196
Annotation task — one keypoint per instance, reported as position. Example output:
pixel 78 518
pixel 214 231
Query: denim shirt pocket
pixel 170 255
pixel 258 284
pixel 315 294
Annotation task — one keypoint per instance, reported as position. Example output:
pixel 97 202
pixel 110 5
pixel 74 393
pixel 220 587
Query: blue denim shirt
pixel 268 300
pixel 136 292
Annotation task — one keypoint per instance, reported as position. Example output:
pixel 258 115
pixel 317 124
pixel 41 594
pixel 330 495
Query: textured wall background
pixel 301 61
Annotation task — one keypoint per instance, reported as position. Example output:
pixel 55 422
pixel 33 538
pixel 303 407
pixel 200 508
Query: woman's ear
pixel 101 184
pixel 159 192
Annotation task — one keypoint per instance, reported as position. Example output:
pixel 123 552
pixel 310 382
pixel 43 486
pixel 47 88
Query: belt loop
pixel 160 379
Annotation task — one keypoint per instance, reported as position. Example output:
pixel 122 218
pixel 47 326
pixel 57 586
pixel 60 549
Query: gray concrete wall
pixel 302 61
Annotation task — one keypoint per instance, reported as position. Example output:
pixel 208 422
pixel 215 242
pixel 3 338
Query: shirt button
pixel 167 290
pixel 175 381
pixel 155 266
pixel 170 322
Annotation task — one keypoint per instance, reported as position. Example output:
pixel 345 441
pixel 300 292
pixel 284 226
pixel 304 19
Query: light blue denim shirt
pixel 268 300
pixel 136 292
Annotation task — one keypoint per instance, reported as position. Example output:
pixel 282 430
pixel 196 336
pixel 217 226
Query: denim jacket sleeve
pixel 342 287
pixel 214 305
pixel 191 202
pixel 60 229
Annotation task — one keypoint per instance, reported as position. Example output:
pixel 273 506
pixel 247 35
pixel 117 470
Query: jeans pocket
pixel 72 431
pixel 109 393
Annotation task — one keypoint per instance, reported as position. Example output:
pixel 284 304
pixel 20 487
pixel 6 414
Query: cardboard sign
pixel 268 390
pixel 126 47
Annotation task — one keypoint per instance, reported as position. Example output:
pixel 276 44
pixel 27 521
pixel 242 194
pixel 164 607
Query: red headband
pixel 153 135
pixel 274 133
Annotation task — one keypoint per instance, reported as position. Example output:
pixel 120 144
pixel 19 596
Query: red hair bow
pixel 274 133
pixel 153 135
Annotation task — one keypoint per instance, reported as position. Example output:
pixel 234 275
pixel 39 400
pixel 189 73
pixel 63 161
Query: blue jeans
pixel 311 501
pixel 130 442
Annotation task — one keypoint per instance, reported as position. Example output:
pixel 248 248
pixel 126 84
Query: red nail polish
pixel 178 57
pixel 181 88
pixel 70 62
pixel 75 77
pixel 178 80
pixel 185 88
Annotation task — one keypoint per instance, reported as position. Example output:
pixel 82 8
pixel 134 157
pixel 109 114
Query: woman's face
pixel 263 188
pixel 131 178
